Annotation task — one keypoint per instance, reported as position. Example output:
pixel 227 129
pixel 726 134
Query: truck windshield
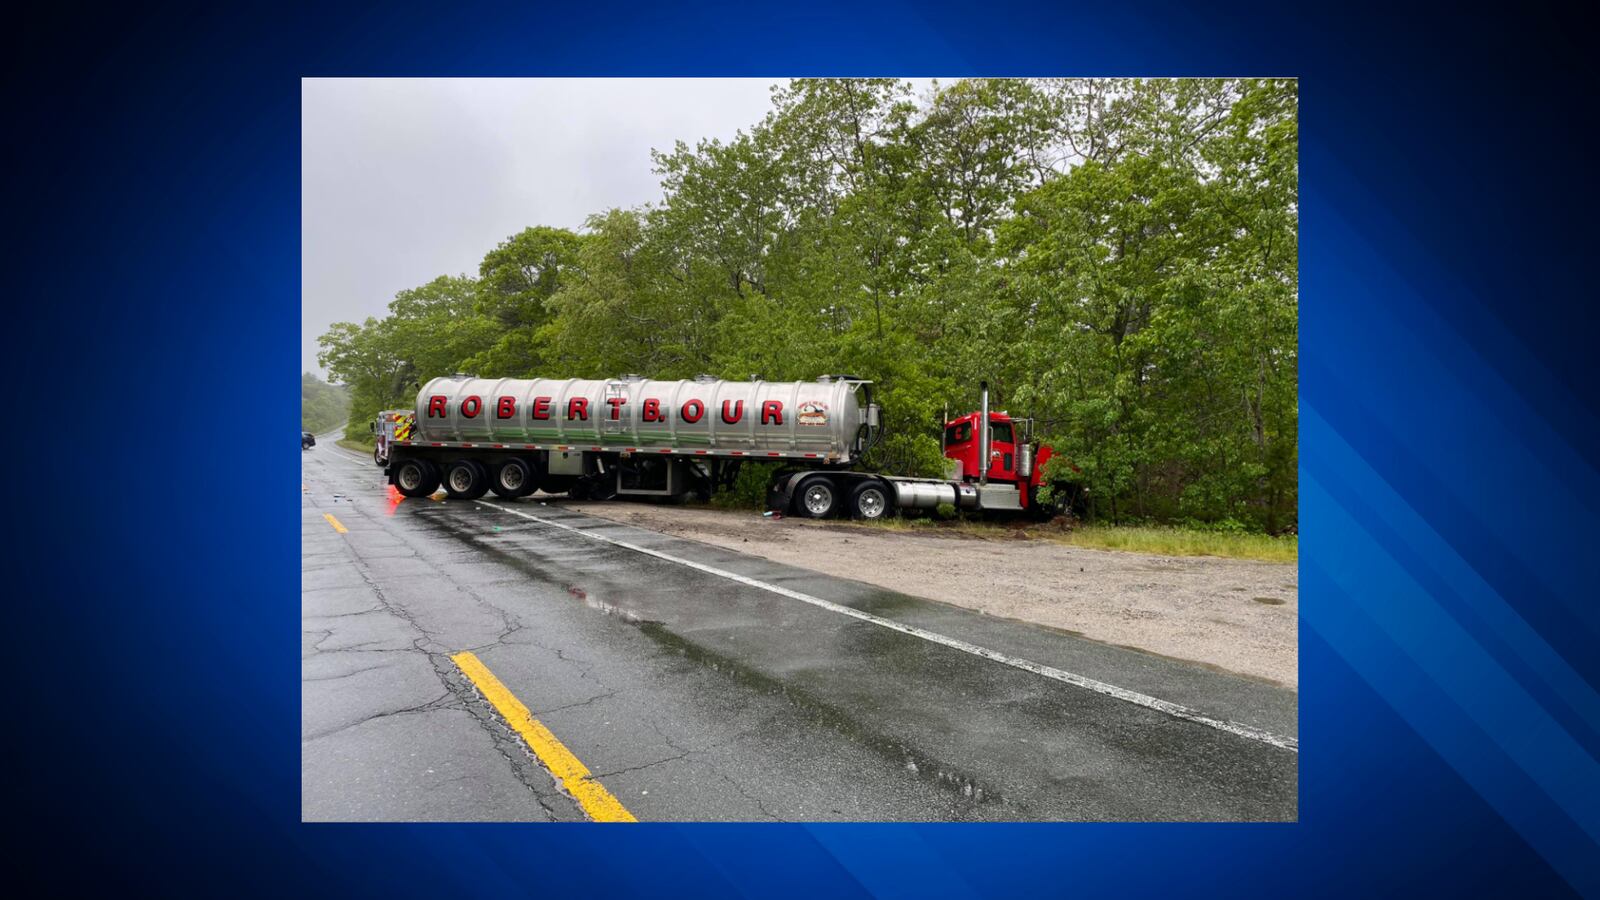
pixel 1000 431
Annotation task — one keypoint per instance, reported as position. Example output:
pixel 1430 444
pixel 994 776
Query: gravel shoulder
pixel 1240 616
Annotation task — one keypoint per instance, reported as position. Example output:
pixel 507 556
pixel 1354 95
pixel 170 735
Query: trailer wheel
pixel 870 501
pixel 818 497
pixel 465 479
pixel 416 478
pixel 512 479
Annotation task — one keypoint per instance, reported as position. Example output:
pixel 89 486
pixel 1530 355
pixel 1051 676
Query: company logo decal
pixel 813 412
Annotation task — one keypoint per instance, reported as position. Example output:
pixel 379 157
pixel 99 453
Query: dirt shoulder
pixel 1237 615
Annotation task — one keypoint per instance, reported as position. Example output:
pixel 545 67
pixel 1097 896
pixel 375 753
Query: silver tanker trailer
pixel 632 436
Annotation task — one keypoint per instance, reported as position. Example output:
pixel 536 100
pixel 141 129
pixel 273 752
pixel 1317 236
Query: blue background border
pixel 1449 717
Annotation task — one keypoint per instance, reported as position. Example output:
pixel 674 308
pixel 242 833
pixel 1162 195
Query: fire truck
pixel 636 437
pixel 387 427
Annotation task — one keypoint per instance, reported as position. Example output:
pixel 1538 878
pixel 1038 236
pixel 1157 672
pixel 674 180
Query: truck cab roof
pixel 964 429
pixel 971 418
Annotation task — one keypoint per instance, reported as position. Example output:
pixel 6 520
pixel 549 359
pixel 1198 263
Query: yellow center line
pixel 598 802
pixel 337 525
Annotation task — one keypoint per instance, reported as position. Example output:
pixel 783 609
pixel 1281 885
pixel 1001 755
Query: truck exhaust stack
pixel 983 435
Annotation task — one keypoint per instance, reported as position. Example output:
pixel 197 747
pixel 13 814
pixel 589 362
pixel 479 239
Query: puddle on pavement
pixel 1269 601
pixel 609 609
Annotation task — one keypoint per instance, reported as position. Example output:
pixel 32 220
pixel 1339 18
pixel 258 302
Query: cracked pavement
pixel 694 698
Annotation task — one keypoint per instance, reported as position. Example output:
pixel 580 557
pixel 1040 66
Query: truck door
pixel 1002 452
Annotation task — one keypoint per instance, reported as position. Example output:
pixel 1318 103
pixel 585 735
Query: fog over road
pixel 695 683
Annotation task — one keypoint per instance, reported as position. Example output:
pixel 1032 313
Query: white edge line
pixel 1165 706
pixel 343 455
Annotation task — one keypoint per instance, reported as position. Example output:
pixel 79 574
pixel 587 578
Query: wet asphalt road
pixel 694 696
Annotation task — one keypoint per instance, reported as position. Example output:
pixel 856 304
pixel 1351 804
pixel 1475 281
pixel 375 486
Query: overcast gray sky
pixel 404 179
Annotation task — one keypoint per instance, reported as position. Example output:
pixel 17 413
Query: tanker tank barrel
pixel 813 419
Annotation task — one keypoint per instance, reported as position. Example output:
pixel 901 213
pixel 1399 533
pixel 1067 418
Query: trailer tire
pixel 416 478
pixel 817 498
pixel 465 479
pixel 869 501
pixel 512 479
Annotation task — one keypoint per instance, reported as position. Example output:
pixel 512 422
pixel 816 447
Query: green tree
pixel 366 358
pixel 516 281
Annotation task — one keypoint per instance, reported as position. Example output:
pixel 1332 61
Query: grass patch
pixel 1185 542
pixel 361 447
pixel 1161 541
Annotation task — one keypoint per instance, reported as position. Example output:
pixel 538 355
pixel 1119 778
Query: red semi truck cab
pixel 1014 457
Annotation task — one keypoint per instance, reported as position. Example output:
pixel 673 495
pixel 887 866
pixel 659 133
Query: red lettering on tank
pixel 471 406
pixel 652 411
pixel 436 407
pixel 578 408
pixel 692 411
pixel 541 407
pixel 616 407
pixel 738 411
pixel 772 412
pixel 506 408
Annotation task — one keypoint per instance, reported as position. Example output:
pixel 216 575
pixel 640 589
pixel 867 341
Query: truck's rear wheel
pixel 818 497
pixel 870 501
pixel 465 479
pixel 416 478
pixel 512 479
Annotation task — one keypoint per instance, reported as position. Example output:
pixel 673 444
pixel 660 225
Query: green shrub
pixel 749 487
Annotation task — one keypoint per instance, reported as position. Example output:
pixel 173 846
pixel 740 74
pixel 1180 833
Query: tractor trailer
pixel 636 437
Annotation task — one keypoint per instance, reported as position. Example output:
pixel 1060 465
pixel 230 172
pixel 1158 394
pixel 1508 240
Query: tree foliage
pixel 322 405
pixel 1117 258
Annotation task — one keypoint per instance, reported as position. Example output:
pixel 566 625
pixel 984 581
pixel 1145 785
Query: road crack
pixel 442 702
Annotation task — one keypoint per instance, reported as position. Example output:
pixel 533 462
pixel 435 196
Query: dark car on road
pixel 307 440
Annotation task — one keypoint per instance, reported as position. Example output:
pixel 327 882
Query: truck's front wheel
pixel 416 478
pixel 818 497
